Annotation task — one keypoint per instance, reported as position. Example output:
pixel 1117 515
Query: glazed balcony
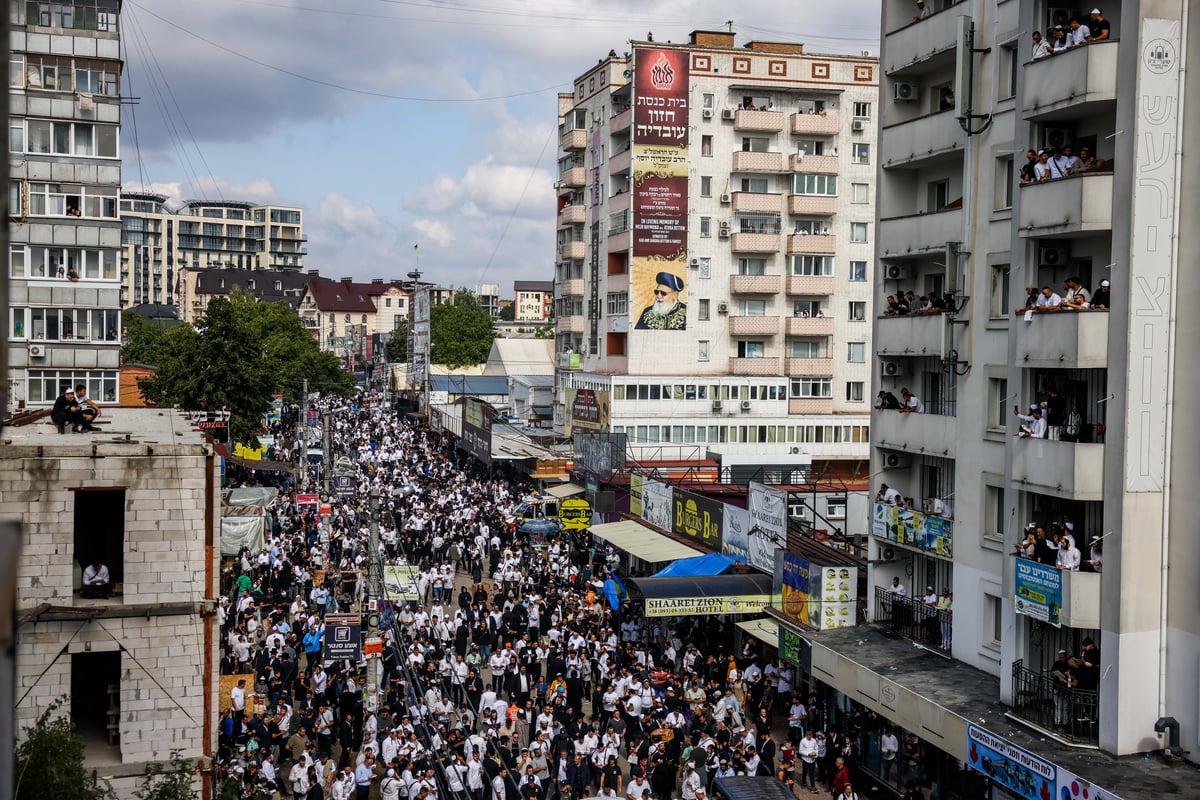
pixel 1080 82
pixel 755 284
pixel 827 124
pixel 1075 205
pixel 1064 340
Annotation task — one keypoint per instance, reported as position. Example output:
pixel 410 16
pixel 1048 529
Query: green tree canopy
pixel 49 761
pixel 508 313
pixel 237 357
pixel 460 333
pixel 397 346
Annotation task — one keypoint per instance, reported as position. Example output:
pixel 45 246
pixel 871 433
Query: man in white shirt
pixel 807 749
pixel 888 747
pixel 1048 300
pixel 889 496
pixel 1068 556
pixel 1041 48
pixel 1077 33
pixel 911 403
pixel 96 581
pixel 1034 426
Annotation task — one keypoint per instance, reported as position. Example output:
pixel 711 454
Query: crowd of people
pixel 507 674
pixel 1079 31
pixel 903 304
pixel 1058 549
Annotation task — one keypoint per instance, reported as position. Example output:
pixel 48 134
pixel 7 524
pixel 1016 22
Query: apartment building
pixel 961 101
pixel 345 315
pixel 199 285
pixel 65 170
pixel 715 217
pixel 159 240
pixel 533 301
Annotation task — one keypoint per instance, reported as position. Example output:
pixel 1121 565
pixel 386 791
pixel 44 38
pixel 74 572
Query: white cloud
pixel 338 211
pixel 432 230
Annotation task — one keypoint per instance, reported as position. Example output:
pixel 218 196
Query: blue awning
pixel 708 564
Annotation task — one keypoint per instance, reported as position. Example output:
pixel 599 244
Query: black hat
pixel 667 279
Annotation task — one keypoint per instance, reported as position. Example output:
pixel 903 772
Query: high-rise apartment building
pixel 715 230
pixel 1061 418
pixel 64 324
pixel 157 241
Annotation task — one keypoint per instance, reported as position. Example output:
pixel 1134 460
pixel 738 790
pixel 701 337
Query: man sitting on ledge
pixel 96 581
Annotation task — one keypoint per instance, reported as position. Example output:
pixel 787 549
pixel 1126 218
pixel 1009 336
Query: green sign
pixel 793 649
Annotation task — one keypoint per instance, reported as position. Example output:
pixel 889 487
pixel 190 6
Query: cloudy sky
pixel 398 122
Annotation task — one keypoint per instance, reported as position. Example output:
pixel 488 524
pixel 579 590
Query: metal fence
pixel 912 619
pixel 1047 702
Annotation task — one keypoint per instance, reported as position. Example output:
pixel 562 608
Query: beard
pixel 662 306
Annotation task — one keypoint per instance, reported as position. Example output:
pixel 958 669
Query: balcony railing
pixel 764 121
pixel 1081 81
pixel 812 243
pixel 753 161
pixel 824 165
pixel 922 141
pixel 913 529
pixel 570 361
pixel 1071 205
pixel 909 617
pixel 1041 699
pixel 826 124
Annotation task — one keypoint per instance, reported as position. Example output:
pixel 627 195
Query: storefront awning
pixel 707 564
pixel 565 490
pixel 705 594
pixel 641 542
pixel 765 629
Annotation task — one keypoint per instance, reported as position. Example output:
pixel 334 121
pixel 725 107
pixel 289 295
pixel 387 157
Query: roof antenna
pixel 729 24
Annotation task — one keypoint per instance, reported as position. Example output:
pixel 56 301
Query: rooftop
pixel 123 432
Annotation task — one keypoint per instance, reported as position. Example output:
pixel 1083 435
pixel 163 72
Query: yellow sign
pixel 575 514
pixel 256 454
pixel 696 606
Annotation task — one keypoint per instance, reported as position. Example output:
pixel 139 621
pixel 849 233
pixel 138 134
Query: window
pixel 709 100
pixel 862 110
pixel 706 145
pixel 860 193
pixel 752 266
pixel 860 153
pixel 993 622
pixel 858 231
pixel 702 349
pixel 1005 178
pixel 856 352
pixel 756 144
pixel 63 138
pixel 752 308
pixel 994 511
pixel 997 418
pixel 95 685
pixel 1001 303
pixel 825 185
pixel 751 350
pixel 854 391
pixel 858 270
pixel 938 195
pixel 67 324
pixel 100 530
pixel 755 185
pixel 812 266
pixel 705 227
pixel 857 310
pixel 807 348
pixel 807 308
pixel 1009 59
pixel 819 388
pixel 706 186
pixel 702 309
pixel 705 267
pixel 810 147
pixel 618 303
pixel 36 261
pixel 811 227
pixel 835 508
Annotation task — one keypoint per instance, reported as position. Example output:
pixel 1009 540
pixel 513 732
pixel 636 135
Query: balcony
pixel 920 335
pixel 572 215
pixel 809 326
pixel 573 178
pixel 621 121
pixel 795 367
pixel 572 251
pixel 1076 594
pixel 1076 205
pixel 919 531
pixel 769 202
pixel 620 201
pixel 809 285
pixel 619 162
pixel 910 618
pixel 755 284
pixel 1080 82
pixel 574 140
pixel 749 161
pixel 573 324
pixel 754 326
pixel 920 234
pixel 1068 714
pixel 1070 470
pixel 812 205
pixel 811 243
pixel 810 405
pixel 570 361
pixel 755 242
pixel 913 433
pixel 758 367
pixel 761 121
pixel 1064 340
pixel 922 141
pixel 815 165
pixel 618 241
pixel 921 40
pixel 571 287
pixel 827 124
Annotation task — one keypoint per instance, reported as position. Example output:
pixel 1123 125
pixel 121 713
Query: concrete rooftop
pixel 120 429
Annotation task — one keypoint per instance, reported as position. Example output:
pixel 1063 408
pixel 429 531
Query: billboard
pixel 635 494
pixel 1015 768
pixel 343 637
pixel 697 517
pixel 796 588
pixel 660 189
pixel 418 340
pixel 400 582
pixel 588 411
pixel 344 485
pixel 914 529
pixel 477 429
pixel 1038 591
pixel 839 596
pixel 706 606
pixel 768 524
pixel 575 513
pixel 734 542
pixel 598 454
pixel 656 504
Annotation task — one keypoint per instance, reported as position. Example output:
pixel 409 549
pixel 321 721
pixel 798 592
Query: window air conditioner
pixel 887 554
pixel 745 405
pixel 695 262
pixel 892 368
pixel 795 451
pixel 37 351
pixel 859 125
pixel 1053 256
pixel 895 461
pixel 722 308
pixel 1056 137
pixel 896 272
pixel 727 113
pixel 725 198
pixel 707 113
pixel 716 406
pixel 904 92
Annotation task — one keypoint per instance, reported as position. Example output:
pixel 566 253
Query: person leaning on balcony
pixel 939 508
pixel 1028 169
pixel 1077 298
pixel 1033 424
pixel 1086 666
pixel 1068 556
pixel 1095 555
pixel 1031 297
pixel 1101 297
pixel 1041 48
pixel 1100 27
pixel 1077 32
pixel 912 403
pixel 1058 40
pixel 1048 300
pixel 945 606
pixel 889 496
pixel 923 11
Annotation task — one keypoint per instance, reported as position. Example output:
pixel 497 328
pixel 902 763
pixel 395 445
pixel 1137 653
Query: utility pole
pixel 326 455
pixel 375 589
pixel 302 456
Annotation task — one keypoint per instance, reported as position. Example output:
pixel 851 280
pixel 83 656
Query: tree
pixel 397 346
pixel 49 762
pixel 508 313
pixel 173 781
pixel 141 339
pixel 460 333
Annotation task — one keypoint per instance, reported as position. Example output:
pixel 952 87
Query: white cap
pixel 1095 11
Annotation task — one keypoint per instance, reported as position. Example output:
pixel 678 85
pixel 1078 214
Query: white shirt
pixel 95 576
pixel 915 404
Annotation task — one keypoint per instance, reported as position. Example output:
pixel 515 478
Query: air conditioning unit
pixel 887 554
pixel 905 92
pixel 866 53
pixel 725 198
pixel 859 125
pixel 794 451
pixel 745 405
pixel 1053 255
pixel 37 351
pixel 707 113
pixel 896 272
pixel 1056 137
pixel 1058 16
pixel 695 263
pixel 722 308
pixel 716 405
pixel 892 368
pixel 895 461
pixel 727 113
pixel 723 231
